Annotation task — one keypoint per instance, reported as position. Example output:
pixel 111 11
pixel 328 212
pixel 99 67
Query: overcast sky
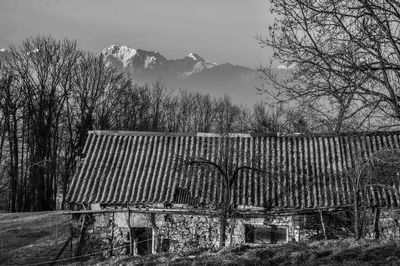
pixel 219 30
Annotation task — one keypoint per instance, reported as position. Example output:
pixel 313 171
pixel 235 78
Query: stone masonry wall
pixel 108 233
pixel 104 236
pixel 190 231
pixel 389 224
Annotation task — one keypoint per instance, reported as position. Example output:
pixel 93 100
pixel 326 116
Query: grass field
pixel 32 238
pixel 29 238
pixel 332 252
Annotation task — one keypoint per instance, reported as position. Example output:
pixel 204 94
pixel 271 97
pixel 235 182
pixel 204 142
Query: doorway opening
pixel 142 240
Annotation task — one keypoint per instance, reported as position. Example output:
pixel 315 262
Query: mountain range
pixel 191 72
pixel 3 54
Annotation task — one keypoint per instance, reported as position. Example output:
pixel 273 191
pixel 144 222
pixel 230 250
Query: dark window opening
pixel 168 218
pixel 142 240
pixel 165 244
pixel 263 234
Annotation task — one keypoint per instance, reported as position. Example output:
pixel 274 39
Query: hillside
pixel 29 238
pixel 332 252
pixel 34 238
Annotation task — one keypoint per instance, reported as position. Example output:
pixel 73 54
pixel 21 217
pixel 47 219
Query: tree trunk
pixel 356 217
pixel 376 222
pixel 323 224
pixel 222 229
pixel 13 146
pixel 232 232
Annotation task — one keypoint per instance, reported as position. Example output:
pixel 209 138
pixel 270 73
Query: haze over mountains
pixel 192 72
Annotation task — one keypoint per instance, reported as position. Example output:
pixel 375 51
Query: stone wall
pixel 102 234
pixel 340 225
pixel 389 226
pixel 106 231
pixel 109 232
pixel 190 231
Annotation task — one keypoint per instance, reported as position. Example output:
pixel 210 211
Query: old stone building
pixel 136 196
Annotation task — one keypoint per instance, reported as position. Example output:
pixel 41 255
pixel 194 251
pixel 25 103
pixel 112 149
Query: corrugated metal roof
pixel 296 171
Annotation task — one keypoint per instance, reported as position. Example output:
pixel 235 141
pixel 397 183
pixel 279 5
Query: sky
pixel 217 30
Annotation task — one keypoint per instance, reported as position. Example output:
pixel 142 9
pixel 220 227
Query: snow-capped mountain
pixel 192 72
pixel 3 55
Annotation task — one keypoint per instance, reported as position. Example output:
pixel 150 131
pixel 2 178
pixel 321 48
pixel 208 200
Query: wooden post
pixel 78 250
pixel 376 222
pixel 71 230
pixel 130 232
pixel 135 246
pixel 130 242
pixel 154 233
pixel 153 241
pixel 112 234
pixel 321 216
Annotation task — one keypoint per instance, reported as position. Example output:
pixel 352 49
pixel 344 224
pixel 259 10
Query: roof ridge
pixel 240 135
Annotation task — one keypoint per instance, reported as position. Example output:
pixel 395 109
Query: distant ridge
pixel 192 72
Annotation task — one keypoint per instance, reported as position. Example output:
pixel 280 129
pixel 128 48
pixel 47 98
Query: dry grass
pixel 334 252
pixel 28 238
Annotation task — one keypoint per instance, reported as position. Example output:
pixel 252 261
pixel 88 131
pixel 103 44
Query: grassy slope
pixel 333 252
pixel 28 238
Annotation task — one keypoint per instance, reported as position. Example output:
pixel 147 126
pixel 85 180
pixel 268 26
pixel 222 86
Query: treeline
pixel 52 93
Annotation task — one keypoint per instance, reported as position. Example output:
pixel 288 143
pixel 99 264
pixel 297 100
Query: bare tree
pixel 158 95
pixel 226 115
pixel 378 171
pixel 203 116
pixel 43 68
pixel 85 107
pixel 11 102
pixel 344 58
pixel 228 171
